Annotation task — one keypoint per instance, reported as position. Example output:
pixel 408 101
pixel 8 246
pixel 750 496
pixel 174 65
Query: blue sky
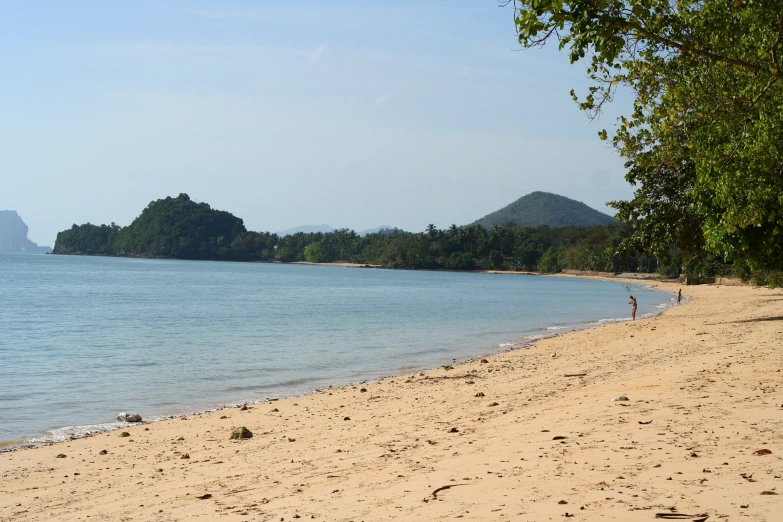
pixel 353 114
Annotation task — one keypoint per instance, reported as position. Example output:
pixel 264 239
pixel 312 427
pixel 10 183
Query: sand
pixel 509 439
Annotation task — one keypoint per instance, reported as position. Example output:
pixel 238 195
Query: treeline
pixel 473 247
pixel 180 228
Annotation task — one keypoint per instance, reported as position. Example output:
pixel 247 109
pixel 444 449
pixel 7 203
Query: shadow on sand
pixel 760 319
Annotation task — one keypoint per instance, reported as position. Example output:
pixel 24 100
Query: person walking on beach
pixel 632 302
pixel 679 296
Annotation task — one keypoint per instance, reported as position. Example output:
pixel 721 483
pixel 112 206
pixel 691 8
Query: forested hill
pixel 180 228
pixel 171 227
pixel 543 208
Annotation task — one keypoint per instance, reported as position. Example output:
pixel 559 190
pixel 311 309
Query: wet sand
pixel 512 438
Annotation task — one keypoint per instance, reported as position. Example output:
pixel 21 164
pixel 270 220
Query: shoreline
pixel 705 391
pixel 522 343
pixel 642 276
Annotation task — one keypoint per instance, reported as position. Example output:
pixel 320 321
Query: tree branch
pixel 776 43
pixel 698 52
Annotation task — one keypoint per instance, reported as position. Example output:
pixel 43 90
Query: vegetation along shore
pixel 180 228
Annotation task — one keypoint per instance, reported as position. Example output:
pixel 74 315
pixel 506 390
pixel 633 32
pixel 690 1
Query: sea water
pixel 83 338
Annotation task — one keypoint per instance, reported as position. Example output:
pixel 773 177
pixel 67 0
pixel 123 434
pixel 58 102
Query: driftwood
pixel 682 516
pixel 435 493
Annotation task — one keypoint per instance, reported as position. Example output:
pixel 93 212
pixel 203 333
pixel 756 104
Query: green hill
pixel 171 227
pixel 543 208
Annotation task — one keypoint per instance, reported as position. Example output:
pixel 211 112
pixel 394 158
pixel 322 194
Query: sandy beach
pixel 530 435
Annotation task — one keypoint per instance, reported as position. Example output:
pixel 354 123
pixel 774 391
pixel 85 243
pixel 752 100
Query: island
pixel 13 235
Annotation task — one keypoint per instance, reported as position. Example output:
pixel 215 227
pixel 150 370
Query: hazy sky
pixel 353 114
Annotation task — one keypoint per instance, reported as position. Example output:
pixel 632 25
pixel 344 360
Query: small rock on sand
pixel 241 433
pixel 128 417
pixel 621 398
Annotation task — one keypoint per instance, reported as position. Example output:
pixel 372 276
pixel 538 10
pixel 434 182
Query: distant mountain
pixel 382 228
pixel 13 235
pixel 307 229
pixel 543 208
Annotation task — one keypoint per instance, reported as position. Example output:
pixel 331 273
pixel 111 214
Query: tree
pixel 707 119
pixel 663 210
pixel 314 253
pixel 457 261
pixel 549 262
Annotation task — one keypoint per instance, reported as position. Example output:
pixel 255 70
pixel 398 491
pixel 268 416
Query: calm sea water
pixel 83 338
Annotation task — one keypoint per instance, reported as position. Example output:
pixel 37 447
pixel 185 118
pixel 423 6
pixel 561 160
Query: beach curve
pixel 704 382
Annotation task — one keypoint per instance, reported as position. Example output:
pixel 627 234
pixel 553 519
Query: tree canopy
pixel 704 140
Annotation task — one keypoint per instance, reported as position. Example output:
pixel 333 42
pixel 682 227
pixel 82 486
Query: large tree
pixel 704 141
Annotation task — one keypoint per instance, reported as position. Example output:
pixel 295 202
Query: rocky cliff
pixel 13 234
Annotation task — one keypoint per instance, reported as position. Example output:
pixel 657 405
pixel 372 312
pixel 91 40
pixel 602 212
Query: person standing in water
pixel 632 302
pixel 679 296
